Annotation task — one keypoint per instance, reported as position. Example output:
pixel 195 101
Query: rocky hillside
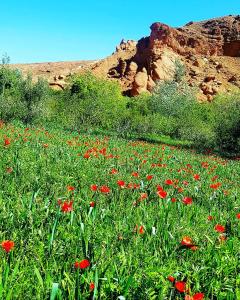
pixel 210 51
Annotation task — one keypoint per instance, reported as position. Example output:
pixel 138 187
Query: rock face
pixel 199 46
pixel 209 50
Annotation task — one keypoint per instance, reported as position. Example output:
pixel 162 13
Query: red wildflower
pixel 121 183
pixel 114 171
pixel 86 155
pixel 214 178
pixel 141 230
pixel 162 194
pixel 169 182
pixel 7 245
pixel 91 286
pixel 194 248
pixel 143 196
pixel 135 174
pixel 82 264
pixel 187 200
pixel 180 286
pixel 70 188
pixel 238 216
pixel 215 186
pixel 210 218
pixel 174 200
pixel 7 142
pixel 220 228
pixel 67 206
pixel 196 176
pixel 94 187
pixel 149 177
pixel 205 165
pixel 198 296
pixel 92 204
pixel 136 186
pixel 187 241
pixel 171 278
pixel 222 238
pixel 104 189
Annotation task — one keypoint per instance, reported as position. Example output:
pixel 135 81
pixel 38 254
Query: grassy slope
pixel 36 169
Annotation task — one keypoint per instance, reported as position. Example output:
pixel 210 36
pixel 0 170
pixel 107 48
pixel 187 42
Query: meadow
pixel 96 217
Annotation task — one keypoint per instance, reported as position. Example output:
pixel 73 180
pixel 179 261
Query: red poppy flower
pixel 86 155
pixel 210 218
pixel 187 241
pixel 149 177
pixel 220 228
pixel 7 245
pixel 194 248
pixel 169 182
pixel 196 176
pixel 94 187
pixel 180 286
pixel 141 230
pixel 121 183
pixel 222 238
pixel 238 216
pixel 187 200
pixel 7 142
pixel 135 174
pixel 114 171
pixel 82 264
pixel 67 206
pixel 162 194
pixel 214 178
pixel 104 189
pixel 70 188
pixel 174 200
pixel 143 196
pixel 92 204
pixel 91 286
pixel 171 278
pixel 198 296
pixel 215 186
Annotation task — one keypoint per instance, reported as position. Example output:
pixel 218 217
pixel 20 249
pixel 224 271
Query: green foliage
pixel 21 98
pixel 227 122
pixel 91 101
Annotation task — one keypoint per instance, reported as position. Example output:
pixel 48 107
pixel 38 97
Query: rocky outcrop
pixel 209 50
pixel 139 65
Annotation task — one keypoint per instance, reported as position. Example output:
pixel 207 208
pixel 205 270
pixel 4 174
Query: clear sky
pixel 57 30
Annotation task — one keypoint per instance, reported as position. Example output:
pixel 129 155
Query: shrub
pixel 227 123
pixel 21 99
pixel 91 101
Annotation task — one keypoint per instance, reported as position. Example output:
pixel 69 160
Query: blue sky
pixel 51 30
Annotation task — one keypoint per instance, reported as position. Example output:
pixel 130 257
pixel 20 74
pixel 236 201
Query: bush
pixel 227 123
pixel 91 101
pixel 21 99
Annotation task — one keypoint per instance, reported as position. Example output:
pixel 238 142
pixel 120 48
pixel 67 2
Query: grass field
pixel 92 217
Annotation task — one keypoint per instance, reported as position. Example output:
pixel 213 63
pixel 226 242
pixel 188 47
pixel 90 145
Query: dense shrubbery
pixel 90 102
